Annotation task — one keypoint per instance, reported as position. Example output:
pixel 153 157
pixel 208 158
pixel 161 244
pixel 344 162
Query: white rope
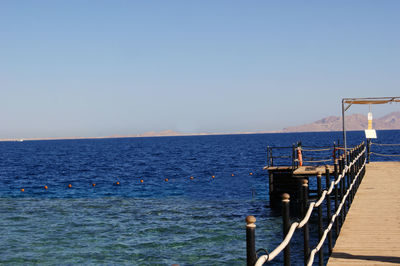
pixel 264 258
pixel 322 240
pixel 297 225
pixel 347 167
pixel 307 216
pixel 331 187
pixel 321 199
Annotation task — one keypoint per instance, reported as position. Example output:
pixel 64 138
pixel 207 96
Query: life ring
pixel 299 156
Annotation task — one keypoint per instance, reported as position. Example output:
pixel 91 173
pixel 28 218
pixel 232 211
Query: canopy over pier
pixel 347 102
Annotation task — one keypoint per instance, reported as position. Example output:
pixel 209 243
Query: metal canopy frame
pixel 347 102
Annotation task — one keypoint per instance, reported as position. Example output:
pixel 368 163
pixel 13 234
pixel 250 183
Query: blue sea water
pixel 188 221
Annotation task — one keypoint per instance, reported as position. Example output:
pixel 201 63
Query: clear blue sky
pixel 96 68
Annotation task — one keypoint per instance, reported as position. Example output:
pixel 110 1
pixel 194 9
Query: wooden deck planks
pixel 371 232
pixel 301 170
pixel 312 170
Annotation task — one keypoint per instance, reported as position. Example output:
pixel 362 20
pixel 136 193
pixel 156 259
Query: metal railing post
pixel 351 175
pixel 334 151
pixel 344 188
pixel 368 150
pixel 251 240
pixel 286 226
pixel 358 166
pixel 347 182
pixel 306 231
pixel 342 184
pixel 328 207
pixel 293 157
pixel 336 169
pixel 320 221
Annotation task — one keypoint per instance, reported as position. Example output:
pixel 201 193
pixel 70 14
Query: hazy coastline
pixel 354 122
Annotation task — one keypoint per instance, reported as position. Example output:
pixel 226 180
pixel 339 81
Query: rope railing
pixel 385 144
pixel 317 161
pixel 332 221
pixel 301 155
pixel 386 155
pixel 369 152
pixel 272 157
pixel 349 176
pixel 314 150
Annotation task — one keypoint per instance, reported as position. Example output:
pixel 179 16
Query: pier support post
pixel 348 182
pixel 351 175
pixel 286 226
pixel 328 207
pixel 306 232
pixel 336 169
pixel 368 150
pixel 343 187
pixel 251 240
pixel 320 221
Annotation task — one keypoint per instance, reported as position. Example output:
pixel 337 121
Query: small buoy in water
pixel 192 177
pixel 22 190
pixel 69 186
pixel 93 185
pixel 213 176
pixel 166 179
pixel 117 183
pixel 251 173
pixel 45 187
pixel 233 174
pixel 141 180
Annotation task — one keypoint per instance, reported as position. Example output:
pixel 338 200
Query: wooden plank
pixel 312 170
pixel 278 168
pixel 301 170
pixel 371 232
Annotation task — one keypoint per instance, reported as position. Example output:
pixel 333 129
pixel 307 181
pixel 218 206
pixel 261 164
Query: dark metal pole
pixel 348 180
pixel 368 150
pixel 344 187
pixel 336 169
pixel 363 171
pixel 251 240
pixel 293 156
pixel 334 151
pixel 286 226
pixel 357 165
pixel 351 174
pixel 328 208
pixel 320 221
pixel 341 165
pixel 344 127
pixel 306 232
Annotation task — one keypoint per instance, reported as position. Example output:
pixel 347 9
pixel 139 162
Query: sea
pixel 146 201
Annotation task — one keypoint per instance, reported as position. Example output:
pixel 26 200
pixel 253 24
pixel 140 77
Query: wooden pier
pixel 362 204
pixel 371 232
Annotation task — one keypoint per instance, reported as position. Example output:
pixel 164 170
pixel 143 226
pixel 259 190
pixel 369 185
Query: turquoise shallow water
pixel 117 230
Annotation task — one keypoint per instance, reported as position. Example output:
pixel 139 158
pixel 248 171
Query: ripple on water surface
pixel 122 230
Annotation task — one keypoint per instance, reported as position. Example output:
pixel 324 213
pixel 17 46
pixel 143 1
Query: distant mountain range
pixel 353 122
pixel 331 123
